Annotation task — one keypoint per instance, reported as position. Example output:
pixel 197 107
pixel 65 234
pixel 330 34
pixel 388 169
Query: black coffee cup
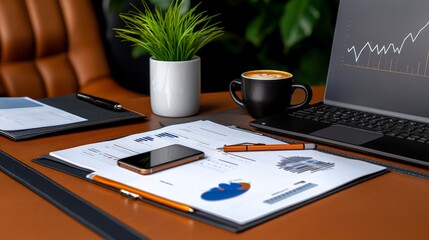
pixel 266 92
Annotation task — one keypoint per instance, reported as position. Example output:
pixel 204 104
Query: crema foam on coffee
pixel 267 75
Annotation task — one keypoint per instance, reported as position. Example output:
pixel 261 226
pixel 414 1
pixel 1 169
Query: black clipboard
pixel 97 117
pixel 57 164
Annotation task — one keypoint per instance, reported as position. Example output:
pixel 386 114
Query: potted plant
pixel 172 38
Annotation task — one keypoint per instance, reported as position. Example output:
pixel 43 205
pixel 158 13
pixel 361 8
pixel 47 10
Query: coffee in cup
pixel 267 92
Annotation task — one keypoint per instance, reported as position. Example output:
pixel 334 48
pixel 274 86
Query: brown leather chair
pixel 53 47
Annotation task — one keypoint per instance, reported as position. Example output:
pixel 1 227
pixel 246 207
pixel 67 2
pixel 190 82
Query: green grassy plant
pixel 171 35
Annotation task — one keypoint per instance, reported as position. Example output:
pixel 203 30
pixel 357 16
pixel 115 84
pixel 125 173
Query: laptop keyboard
pixel 389 126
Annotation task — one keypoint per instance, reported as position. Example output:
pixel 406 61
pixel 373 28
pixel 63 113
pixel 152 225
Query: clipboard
pixel 97 117
pixel 55 163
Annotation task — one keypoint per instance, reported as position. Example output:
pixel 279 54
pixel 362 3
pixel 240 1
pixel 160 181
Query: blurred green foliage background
pixel 291 35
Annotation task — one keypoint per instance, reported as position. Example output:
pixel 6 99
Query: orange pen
pixel 268 147
pixel 137 193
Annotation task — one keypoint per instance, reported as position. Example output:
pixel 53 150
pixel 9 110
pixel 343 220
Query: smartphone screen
pixel 160 159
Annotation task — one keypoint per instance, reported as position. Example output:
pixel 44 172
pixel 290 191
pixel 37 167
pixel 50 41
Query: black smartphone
pixel 160 159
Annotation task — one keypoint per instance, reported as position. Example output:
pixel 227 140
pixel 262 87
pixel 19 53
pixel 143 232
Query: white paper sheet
pixel 21 113
pixel 240 187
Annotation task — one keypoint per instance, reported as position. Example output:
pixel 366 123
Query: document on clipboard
pixel 237 188
pixel 22 113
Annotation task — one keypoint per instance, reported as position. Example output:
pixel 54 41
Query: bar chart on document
pixel 387 36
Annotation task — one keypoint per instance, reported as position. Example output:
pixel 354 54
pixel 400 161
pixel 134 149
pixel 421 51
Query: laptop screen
pixel 380 58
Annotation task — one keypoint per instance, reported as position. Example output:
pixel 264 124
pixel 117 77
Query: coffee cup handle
pixel 308 94
pixel 232 88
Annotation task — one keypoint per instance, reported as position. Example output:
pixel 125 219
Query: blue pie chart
pixel 225 191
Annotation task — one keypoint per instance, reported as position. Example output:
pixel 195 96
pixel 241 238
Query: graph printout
pixel 240 186
pixel 380 56
pixel 22 113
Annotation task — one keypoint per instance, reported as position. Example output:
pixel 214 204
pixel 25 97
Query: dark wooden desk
pixel 392 206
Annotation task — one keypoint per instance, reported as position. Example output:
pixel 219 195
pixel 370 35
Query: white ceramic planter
pixel 175 87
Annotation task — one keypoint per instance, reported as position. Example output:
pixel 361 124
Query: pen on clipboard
pixel 137 193
pixel 101 102
pixel 246 147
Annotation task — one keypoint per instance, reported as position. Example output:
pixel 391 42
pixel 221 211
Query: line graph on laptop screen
pixel 380 57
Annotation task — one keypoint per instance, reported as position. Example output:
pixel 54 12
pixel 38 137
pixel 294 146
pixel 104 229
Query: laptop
pixel 377 91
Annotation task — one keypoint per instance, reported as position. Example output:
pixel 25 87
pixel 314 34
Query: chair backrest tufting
pixel 50 48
